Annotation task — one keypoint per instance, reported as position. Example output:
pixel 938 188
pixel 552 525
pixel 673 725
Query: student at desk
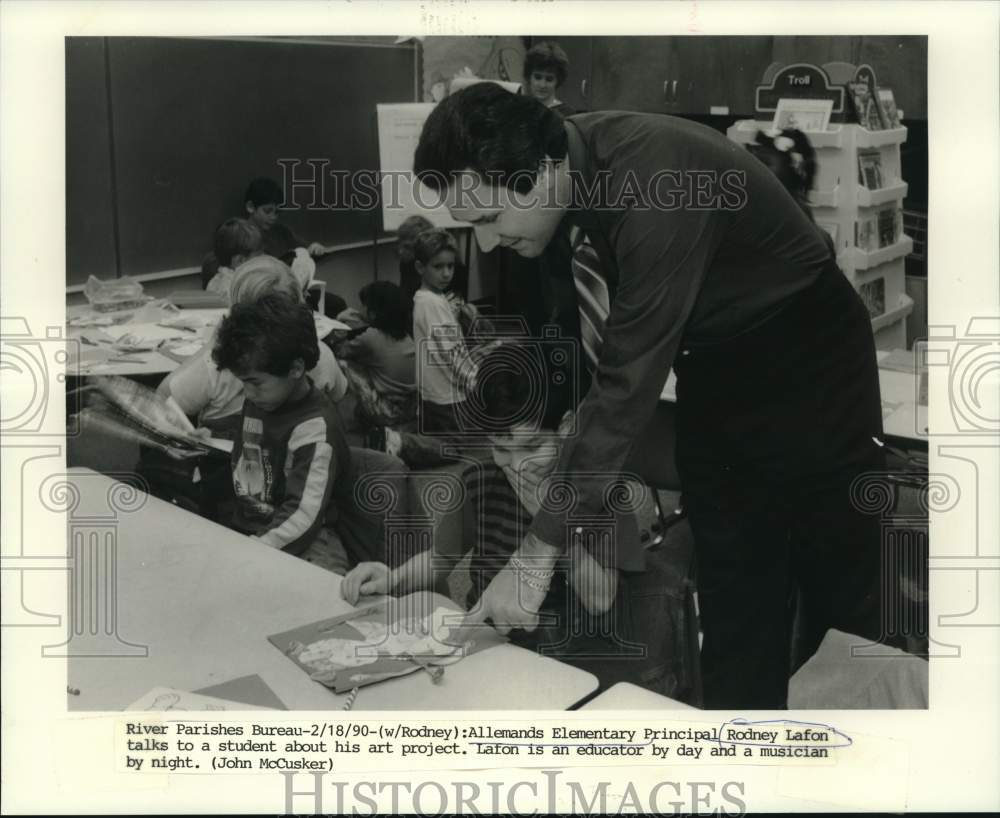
pixel 236 241
pixel 605 613
pixel 290 456
pixel 215 396
pixel 260 203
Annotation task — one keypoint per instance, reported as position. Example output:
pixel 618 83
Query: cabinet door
pixel 714 72
pixel 900 63
pixel 816 50
pixel 576 90
pixel 631 73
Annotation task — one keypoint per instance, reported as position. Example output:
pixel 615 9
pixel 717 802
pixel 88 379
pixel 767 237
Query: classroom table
pixel 90 351
pixel 904 405
pixel 203 599
pixel 627 696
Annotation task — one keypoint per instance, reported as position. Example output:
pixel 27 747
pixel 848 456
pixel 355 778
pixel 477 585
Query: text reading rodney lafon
pixel 198 746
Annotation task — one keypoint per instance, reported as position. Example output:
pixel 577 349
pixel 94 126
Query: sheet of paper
pixel 148 332
pixel 399 129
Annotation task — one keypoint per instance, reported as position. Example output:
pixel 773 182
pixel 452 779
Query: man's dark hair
pixel 263 191
pixel 235 237
pixel 517 382
pixel 391 311
pixel 502 136
pixel 546 57
pixel 266 335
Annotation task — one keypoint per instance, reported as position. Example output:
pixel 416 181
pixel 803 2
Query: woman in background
pixel 546 67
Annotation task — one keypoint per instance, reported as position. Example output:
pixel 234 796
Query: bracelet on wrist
pixel 538 585
pixel 539 573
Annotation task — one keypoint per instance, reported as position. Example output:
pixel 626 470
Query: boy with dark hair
pixel 290 456
pixel 592 602
pixel 261 202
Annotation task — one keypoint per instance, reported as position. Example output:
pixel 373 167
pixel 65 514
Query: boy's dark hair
pixel 790 157
pixel 546 57
pixel 516 383
pixel 235 237
pixel 390 309
pixel 491 131
pixel 267 336
pixel 263 191
pixel 431 242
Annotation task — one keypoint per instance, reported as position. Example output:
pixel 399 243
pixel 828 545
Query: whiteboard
pixel 399 128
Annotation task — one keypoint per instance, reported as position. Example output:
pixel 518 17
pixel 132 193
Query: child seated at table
pixel 290 456
pixel 378 358
pixel 591 614
pixel 236 241
pixel 215 397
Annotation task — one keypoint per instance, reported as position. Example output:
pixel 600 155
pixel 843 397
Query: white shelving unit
pixel 838 198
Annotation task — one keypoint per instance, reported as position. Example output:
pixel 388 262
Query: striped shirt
pixel 287 464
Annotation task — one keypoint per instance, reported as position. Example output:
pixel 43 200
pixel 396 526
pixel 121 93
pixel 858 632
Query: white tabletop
pixel 204 599
pixel 627 696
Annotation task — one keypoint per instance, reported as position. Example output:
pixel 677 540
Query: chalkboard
pixel 194 120
pixel 90 232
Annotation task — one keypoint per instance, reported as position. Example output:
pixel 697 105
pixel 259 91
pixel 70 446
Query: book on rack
pixel 888 220
pixel 865 106
pixel 887 108
pixel 870 169
pixel 873 294
pixel 866 234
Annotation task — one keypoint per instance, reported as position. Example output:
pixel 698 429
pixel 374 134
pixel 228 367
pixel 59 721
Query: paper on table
pixel 147 332
pixel 324 325
pixel 169 698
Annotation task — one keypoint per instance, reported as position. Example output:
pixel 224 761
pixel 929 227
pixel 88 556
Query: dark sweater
pixel 698 270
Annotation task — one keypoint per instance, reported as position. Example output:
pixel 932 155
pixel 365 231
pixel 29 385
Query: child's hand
pixel 317 249
pixel 365 579
pixel 469 312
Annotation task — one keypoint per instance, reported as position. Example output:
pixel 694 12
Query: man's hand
pixel 514 596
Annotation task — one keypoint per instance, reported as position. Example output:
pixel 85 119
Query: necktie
pixel 593 300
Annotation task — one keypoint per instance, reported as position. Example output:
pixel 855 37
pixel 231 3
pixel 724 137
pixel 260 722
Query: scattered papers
pixel 145 333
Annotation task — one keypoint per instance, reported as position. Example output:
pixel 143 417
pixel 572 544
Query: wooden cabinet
pixel 696 74
pixel 576 90
pixel 719 72
pixel 633 74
